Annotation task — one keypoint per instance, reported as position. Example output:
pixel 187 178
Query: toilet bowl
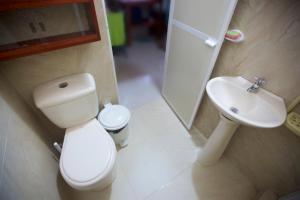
pixel 88 154
pixel 88 157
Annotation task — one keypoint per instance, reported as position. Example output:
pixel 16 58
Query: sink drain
pixel 234 109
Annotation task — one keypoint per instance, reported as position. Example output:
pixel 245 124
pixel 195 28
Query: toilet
pixel 88 154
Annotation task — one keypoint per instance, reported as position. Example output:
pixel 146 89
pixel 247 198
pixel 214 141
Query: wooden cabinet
pixel 34 26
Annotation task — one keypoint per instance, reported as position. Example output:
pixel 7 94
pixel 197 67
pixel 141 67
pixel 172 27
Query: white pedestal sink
pixel 237 106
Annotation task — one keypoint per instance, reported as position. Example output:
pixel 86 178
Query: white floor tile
pixel 139 73
pixel 219 182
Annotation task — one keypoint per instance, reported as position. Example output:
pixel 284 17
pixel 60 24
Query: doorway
pixel 138 48
pixel 173 64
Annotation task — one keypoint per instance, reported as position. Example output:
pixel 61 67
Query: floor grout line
pixel 169 182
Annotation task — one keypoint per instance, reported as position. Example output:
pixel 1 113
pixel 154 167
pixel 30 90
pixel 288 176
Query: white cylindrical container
pixel 115 119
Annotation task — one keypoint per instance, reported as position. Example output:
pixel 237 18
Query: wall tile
pixel 268 157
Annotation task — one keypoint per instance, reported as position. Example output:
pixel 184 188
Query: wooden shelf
pixel 49 43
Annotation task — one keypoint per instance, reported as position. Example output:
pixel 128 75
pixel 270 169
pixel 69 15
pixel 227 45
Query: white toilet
pixel 88 155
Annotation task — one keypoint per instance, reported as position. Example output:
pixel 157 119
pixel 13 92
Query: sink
pixel 237 107
pixel 262 109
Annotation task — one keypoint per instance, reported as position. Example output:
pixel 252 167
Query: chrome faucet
pixel 259 82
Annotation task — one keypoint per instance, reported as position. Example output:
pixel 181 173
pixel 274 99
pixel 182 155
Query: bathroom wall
pixel 269 157
pixel 96 58
pixel 28 169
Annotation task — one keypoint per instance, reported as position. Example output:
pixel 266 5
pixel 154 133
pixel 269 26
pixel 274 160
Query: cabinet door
pixel 195 35
pixel 30 27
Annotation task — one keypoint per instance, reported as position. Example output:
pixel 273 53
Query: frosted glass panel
pixel 204 15
pixel 188 63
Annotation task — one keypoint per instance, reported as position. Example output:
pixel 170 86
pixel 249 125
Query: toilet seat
pixel 88 155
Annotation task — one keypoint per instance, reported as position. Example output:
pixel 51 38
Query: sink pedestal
pixel 218 141
pixel 231 97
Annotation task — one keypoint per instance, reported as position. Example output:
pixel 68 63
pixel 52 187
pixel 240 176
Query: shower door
pixel 195 35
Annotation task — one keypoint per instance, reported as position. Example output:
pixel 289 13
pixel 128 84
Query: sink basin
pixel 238 106
pixel 262 109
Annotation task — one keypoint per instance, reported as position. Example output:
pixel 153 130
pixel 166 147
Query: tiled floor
pixel 160 161
pixel 139 73
pixel 160 164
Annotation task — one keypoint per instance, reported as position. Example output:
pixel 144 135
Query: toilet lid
pixel 88 153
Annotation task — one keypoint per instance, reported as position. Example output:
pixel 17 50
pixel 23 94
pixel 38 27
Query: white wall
pixel 28 72
pixel 28 169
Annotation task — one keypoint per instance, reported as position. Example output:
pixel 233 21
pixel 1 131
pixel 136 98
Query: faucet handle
pixel 260 81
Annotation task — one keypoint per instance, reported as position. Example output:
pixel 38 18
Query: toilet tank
pixel 68 101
